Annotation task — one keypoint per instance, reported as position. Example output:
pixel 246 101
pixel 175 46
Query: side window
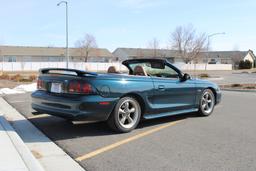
pixel 166 72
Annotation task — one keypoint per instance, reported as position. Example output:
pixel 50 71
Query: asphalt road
pixel 236 78
pixel 224 141
pixel 229 77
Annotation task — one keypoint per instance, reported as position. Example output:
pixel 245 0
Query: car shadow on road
pixel 59 129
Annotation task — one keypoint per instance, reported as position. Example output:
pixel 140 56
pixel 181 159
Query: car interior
pixel 148 69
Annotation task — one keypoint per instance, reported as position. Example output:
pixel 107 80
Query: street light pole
pixel 67 51
pixel 2 61
pixel 208 43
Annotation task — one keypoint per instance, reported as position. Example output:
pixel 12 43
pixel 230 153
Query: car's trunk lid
pixel 60 80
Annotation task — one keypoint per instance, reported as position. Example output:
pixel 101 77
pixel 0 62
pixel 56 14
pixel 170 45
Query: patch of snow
pixel 217 78
pixel 19 89
pixel 10 91
pixel 26 87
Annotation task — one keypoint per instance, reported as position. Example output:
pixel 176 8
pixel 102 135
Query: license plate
pixel 56 88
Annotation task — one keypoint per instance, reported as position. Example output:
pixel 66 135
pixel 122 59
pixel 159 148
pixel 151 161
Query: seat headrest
pixel 139 70
pixel 112 69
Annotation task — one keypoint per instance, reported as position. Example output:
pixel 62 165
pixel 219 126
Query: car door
pixel 172 94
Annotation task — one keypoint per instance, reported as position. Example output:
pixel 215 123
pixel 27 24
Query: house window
pixel 11 59
pixel 213 61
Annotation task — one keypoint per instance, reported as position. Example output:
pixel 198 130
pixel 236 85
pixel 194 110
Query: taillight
pixel 86 88
pixel 39 84
pixel 79 87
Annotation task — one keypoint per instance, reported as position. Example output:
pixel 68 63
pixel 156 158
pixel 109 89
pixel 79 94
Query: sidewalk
pixel 46 153
pixel 14 156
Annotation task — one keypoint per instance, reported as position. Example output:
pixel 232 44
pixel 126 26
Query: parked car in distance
pixel 153 88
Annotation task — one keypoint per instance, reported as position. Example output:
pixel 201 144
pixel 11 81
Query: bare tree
pixel 85 45
pixel 188 43
pixel 236 58
pixel 154 44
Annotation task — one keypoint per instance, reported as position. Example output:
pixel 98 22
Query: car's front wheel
pixel 207 103
pixel 126 115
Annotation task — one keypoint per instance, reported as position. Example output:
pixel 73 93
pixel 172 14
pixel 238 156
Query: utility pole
pixel 67 50
pixel 208 43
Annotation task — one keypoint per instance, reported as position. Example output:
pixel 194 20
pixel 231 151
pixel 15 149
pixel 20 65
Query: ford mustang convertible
pixel 153 88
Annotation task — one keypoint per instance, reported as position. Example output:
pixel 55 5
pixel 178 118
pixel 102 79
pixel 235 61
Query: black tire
pixel 114 120
pixel 205 108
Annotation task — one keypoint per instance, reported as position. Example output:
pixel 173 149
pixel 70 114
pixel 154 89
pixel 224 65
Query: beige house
pixel 250 57
pixel 227 57
pixel 212 57
pixel 52 54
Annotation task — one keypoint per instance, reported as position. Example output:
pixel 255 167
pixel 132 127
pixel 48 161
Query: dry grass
pixel 27 78
pixel 16 78
pixel 4 76
pixel 10 84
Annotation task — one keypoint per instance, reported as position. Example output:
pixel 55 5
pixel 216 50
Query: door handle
pixel 161 87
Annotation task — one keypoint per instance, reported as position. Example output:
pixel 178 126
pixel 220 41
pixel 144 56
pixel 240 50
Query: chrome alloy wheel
pixel 207 102
pixel 128 114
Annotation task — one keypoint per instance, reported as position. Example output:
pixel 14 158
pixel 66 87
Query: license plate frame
pixel 56 87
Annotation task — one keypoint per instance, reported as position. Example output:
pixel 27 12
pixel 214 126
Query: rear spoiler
pixel 78 72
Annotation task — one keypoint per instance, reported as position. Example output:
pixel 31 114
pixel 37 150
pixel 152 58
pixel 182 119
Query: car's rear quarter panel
pixel 109 88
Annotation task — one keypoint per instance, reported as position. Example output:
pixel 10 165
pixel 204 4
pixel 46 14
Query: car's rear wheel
pixel 207 103
pixel 126 115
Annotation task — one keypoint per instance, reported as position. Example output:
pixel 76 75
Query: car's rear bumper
pixel 89 107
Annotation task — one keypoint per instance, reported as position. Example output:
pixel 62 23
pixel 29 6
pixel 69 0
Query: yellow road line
pixel 125 141
pixel 38 116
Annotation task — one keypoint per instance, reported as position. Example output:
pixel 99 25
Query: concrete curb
pixel 214 78
pixel 50 156
pixel 29 160
pixel 238 90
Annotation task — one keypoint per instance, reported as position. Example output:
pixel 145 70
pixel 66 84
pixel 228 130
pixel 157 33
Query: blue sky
pixel 127 23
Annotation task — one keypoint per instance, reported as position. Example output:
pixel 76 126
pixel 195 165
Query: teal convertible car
pixel 153 88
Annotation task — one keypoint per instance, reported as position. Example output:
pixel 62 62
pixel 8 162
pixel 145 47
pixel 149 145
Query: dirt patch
pixel 11 84
pixel 36 154
pixel 204 75
pixel 11 80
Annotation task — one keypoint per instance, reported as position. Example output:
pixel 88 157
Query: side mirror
pixel 185 77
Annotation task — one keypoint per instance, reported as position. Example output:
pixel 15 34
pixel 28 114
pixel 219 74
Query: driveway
pixel 224 141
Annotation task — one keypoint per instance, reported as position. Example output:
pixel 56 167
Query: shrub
pixel 32 77
pixel 17 78
pixel 236 85
pixel 245 64
pixel 250 87
pixel 4 76
pixel 204 75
